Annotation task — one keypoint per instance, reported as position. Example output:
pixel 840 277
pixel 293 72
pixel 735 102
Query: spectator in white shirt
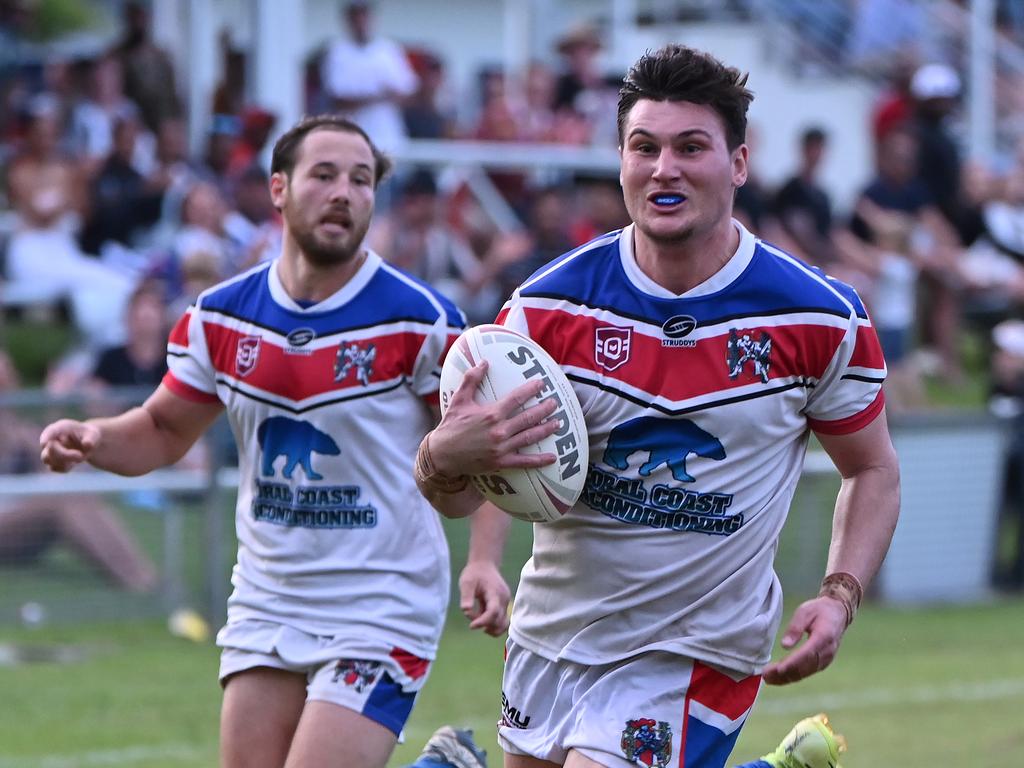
pixel 367 77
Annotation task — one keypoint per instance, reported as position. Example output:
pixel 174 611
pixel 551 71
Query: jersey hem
pixel 744 665
pixel 354 637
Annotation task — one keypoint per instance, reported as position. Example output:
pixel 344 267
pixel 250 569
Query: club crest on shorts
pixel 356 673
pixel 247 354
pixel 354 356
pixel 611 346
pixel 741 349
pixel 648 742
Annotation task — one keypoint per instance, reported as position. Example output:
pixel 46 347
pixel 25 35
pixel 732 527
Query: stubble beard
pixel 673 237
pixel 328 253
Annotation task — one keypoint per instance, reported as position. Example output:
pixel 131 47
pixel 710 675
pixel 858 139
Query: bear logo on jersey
pixel 742 349
pixel 611 346
pixel 247 354
pixel 666 441
pixel 297 441
pixel 353 356
pixel 647 741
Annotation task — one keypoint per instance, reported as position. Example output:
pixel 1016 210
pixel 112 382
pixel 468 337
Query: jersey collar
pixel 731 270
pixel 342 296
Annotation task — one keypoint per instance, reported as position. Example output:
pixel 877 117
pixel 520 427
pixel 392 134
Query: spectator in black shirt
pixel 142 360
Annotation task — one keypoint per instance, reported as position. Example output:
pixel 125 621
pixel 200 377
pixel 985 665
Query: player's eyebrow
pixel 327 165
pixel 681 135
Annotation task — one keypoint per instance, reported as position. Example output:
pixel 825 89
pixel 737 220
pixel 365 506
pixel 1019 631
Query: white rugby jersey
pixel 327 404
pixel 699 408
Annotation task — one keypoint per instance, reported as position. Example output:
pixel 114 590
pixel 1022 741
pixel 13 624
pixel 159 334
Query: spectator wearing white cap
pixel 935 90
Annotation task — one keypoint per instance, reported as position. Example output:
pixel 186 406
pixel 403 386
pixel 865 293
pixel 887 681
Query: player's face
pixel 678 175
pixel 327 201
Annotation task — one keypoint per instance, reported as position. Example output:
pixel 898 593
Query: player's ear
pixel 739 165
pixel 278 189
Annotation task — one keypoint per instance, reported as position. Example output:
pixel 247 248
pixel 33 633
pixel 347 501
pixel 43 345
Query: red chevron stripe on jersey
pixel 314 373
pixel 179 333
pixel 868 352
pixel 797 350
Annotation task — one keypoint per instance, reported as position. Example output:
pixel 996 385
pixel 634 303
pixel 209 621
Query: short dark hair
pixel 286 149
pixel 677 73
pixel 813 135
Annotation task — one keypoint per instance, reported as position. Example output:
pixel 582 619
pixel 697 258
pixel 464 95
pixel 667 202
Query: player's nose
pixel 665 165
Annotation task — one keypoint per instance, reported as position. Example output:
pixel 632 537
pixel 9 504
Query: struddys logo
pixel 612 346
pixel 743 351
pixel 648 742
pixel 297 341
pixel 355 357
pixel 676 329
pixel 355 673
pixel 247 354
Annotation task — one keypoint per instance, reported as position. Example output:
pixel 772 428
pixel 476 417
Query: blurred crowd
pixel 107 213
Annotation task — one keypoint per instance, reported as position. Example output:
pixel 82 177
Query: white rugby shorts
pixel 379 681
pixel 645 710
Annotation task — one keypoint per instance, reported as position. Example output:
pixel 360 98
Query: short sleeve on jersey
pixel 189 370
pixel 849 396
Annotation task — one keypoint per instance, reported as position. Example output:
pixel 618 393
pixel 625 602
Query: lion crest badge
pixel 648 742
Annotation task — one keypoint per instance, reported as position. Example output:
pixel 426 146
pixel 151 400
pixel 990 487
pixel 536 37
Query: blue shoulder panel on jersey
pixel 593 276
pixel 386 298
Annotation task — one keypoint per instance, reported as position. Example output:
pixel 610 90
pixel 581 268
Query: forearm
pixel 154 435
pixel 459 504
pixel 131 444
pixel 488 528
pixel 865 518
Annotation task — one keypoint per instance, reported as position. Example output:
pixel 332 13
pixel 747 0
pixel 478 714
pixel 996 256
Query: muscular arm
pixel 156 434
pixel 483 594
pixel 868 504
pixel 865 517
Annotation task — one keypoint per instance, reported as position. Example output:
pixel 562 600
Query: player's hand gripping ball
pixel 535 495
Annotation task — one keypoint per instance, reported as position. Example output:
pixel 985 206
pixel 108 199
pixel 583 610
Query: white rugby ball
pixel 535 495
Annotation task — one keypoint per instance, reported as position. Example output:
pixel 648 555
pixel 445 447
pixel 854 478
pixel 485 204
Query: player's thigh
pixel 579 760
pixel 261 710
pixel 573 760
pixel 328 730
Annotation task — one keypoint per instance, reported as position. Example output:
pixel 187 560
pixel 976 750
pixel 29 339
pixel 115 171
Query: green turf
pixel 911 688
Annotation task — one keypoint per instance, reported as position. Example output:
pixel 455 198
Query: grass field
pixel 922 688
pixel 910 689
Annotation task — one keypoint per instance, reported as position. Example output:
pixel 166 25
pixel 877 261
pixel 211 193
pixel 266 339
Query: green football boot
pixel 811 744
